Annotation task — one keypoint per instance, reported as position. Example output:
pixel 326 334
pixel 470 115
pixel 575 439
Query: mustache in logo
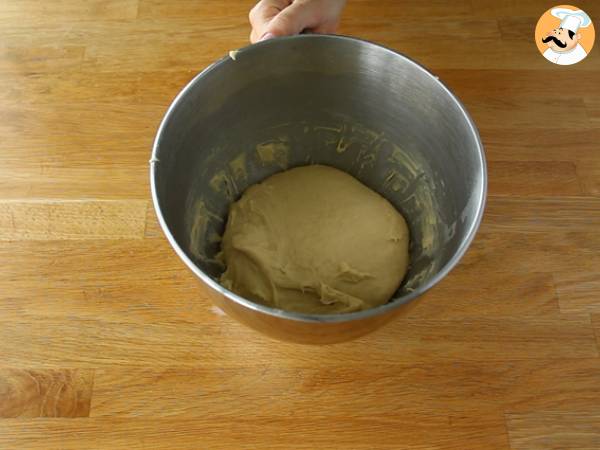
pixel 556 41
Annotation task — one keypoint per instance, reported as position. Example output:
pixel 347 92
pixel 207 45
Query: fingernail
pixel 266 36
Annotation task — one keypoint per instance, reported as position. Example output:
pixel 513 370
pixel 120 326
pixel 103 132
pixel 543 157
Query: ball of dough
pixel 314 240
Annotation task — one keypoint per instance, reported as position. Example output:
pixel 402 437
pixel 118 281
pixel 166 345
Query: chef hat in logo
pixel 571 19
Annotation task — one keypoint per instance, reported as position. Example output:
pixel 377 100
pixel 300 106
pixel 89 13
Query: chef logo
pixel 564 35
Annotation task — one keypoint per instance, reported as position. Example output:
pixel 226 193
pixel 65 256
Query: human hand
pixel 272 18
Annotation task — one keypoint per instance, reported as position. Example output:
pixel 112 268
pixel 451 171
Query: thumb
pixel 292 20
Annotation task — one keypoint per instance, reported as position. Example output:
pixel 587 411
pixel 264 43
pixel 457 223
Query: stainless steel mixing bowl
pixel 313 99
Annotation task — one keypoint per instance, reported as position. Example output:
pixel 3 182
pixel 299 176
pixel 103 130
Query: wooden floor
pixel 107 341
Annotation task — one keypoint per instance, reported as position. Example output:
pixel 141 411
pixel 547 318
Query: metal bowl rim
pixel 318 318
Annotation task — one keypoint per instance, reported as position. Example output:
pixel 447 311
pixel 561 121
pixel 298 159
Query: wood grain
pixel 592 106
pixel 578 292
pixel 408 431
pixel 535 178
pixel 517 252
pixel 40 58
pixel 578 430
pixel 58 180
pixel 272 390
pixel 87 86
pixel 543 214
pixel 596 325
pixel 544 144
pixel 65 10
pixel 91 343
pixel 590 177
pixel 45 393
pixel 78 219
pixel 462 295
pixel 108 341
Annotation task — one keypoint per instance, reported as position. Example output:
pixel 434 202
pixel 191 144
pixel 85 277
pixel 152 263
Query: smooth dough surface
pixel 314 240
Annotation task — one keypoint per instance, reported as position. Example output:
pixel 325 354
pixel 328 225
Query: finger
pixel 254 36
pixel 292 20
pixel 261 15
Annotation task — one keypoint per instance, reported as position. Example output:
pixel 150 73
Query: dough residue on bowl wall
pixel 274 152
pixel 198 218
pixel 393 172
